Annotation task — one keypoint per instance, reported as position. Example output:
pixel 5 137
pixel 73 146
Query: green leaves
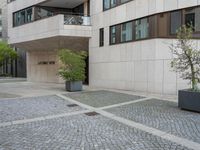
pixel 186 56
pixel 73 65
pixel 6 53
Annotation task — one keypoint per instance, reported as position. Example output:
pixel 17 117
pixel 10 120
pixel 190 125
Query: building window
pixel 106 4
pixel 101 37
pixel 175 21
pixel 126 32
pixel 124 1
pixel 192 18
pixel 23 16
pixel 113 3
pixel 113 35
pixel 141 28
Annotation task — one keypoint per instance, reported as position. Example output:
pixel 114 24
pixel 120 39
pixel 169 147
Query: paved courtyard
pixel 95 120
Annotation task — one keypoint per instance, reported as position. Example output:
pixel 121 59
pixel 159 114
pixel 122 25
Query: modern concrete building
pixel 128 40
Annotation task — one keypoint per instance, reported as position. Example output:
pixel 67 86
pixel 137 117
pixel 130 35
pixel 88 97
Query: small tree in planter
pixel 186 61
pixel 72 69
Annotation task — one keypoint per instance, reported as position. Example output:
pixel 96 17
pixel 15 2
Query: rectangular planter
pixel 73 86
pixel 189 100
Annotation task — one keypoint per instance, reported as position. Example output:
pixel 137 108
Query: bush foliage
pixel 73 65
pixel 6 53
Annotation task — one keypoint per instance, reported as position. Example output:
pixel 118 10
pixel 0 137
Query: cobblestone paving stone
pixel 163 115
pixel 102 98
pixel 27 108
pixel 80 132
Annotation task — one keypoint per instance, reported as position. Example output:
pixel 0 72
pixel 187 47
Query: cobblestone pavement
pixel 102 98
pixel 26 108
pixel 163 115
pixel 80 132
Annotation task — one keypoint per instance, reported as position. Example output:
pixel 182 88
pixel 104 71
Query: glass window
pixel 192 18
pixel 142 28
pixel 175 21
pixel 126 32
pixel 197 19
pixel 101 37
pixel 42 13
pixel 29 16
pixel 22 17
pixel 113 3
pixel 124 1
pixel 113 35
pixel 106 4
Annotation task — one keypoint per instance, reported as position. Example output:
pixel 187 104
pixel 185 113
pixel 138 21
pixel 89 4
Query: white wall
pixel 138 66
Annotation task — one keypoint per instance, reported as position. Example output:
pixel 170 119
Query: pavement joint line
pixel 143 95
pixel 153 131
pixel 125 103
pixel 76 102
pixel 150 130
pixel 24 121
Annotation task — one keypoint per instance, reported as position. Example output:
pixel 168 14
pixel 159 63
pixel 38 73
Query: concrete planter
pixel 73 86
pixel 189 100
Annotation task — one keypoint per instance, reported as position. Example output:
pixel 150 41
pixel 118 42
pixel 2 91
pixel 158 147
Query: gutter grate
pixel 92 113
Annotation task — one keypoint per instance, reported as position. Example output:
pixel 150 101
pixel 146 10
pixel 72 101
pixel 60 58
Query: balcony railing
pixel 77 20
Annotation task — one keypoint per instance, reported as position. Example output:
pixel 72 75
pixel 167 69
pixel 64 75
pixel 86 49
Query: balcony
pixel 77 20
pixel 56 28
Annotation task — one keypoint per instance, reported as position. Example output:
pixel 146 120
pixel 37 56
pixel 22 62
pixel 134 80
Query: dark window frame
pixel 156 32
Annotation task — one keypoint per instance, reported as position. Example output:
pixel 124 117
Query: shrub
pixel 73 65
pixel 6 53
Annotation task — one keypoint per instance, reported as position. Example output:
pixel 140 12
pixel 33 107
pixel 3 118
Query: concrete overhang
pixel 45 29
pixel 62 3
pixel 54 43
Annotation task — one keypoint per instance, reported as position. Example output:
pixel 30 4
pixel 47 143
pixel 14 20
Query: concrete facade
pixel 43 38
pixel 138 66
pixel 141 65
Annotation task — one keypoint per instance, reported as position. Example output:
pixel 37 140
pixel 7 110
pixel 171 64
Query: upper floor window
pixel 141 28
pixel 9 1
pixel 192 17
pixel 23 16
pixel 101 37
pixel 107 4
pixel 126 32
pixel 113 35
pixel 162 25
pixel 175 21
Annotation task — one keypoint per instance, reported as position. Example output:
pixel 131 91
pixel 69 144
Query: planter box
pixel 189 100
pixel 73 86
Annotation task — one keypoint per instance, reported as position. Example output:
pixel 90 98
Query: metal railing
pixel 77 20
